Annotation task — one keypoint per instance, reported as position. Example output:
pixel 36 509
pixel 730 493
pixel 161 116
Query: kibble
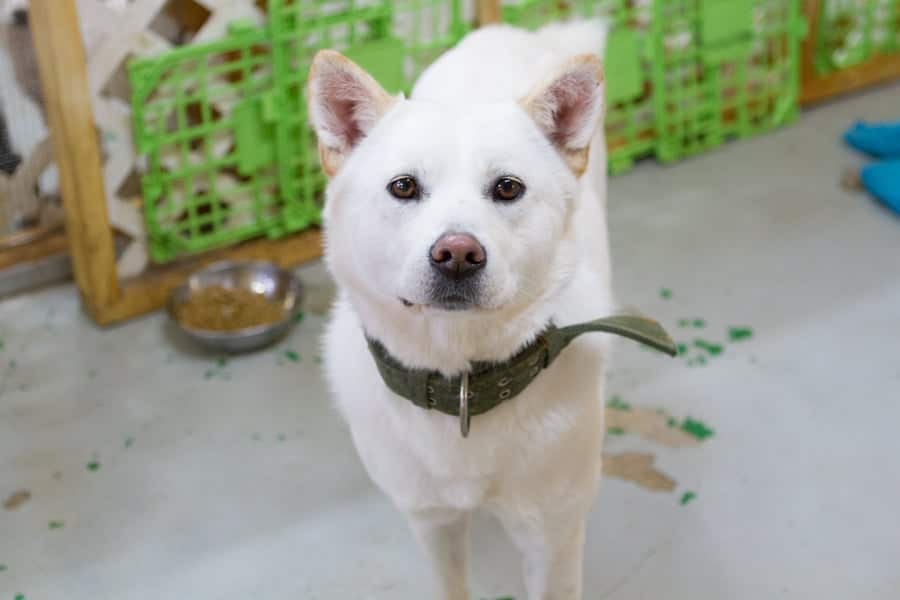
pixel 227 309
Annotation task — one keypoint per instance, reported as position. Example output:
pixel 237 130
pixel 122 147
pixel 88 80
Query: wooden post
pixel 812 12
pixel 488 12
pixel 61 60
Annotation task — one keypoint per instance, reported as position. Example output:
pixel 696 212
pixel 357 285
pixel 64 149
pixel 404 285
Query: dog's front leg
pixel 444 536
pixel 552 551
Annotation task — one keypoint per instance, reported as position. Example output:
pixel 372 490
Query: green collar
pixel 489 384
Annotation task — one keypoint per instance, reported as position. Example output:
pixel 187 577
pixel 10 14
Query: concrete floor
pixel 156 472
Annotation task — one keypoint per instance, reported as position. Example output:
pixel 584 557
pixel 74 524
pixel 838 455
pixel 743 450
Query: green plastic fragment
pixel 93 466
pixel 738 334
pixel 56 524
pixel 711 348
pixel 2 567
pixel 687 497
pixel 665 293
pixel 292 356
pixel 696 428
pixel 698 361
pixel 615 431
pixel 617 403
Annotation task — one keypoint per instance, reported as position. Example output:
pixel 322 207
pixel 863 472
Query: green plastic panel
pixel 222 126
pixel 853 31
pixel 722 69
pixel 383 59
pixel 624 76
pixel 630 131
pixel 726 21
pixel 682 76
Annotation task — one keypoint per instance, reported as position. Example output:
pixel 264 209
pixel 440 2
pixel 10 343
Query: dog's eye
pixel 404 187
pixel 508 189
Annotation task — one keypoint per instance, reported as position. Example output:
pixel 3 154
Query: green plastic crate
pixel 393 40
pixel 852 31
pixel 630 130
pixel 723 69
pixel 221 126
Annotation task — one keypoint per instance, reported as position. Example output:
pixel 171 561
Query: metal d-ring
pixel 464 405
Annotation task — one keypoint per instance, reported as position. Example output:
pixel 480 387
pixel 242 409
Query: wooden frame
pixel 61 59
pixel 488 11
pixel 816 88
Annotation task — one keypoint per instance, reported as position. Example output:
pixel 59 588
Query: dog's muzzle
pixel 457 263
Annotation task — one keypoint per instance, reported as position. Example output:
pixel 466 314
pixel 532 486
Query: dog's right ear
pixel 345 103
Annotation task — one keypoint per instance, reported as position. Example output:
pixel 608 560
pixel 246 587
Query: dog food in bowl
pixel 220 308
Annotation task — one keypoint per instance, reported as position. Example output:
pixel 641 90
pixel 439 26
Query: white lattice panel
pixel 113 33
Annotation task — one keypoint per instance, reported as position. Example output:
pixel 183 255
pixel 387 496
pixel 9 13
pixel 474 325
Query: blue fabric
pixel 882 180
pixel 881 140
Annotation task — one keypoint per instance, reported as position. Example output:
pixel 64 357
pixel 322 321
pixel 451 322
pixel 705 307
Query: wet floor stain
pixel 17 499
pixel 638 468
pixel 653 425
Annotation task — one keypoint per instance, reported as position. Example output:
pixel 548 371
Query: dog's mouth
pixel 450 296
pixel 449 303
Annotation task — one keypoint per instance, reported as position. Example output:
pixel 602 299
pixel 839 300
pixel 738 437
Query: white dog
pixel 460 225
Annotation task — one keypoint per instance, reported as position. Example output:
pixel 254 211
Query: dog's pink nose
pixel 457 255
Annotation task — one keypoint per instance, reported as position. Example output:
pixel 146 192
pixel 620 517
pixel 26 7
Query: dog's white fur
pixel 503 102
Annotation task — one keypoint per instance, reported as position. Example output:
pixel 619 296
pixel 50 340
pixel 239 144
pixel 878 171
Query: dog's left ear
pixel 567 107
pixel 345 103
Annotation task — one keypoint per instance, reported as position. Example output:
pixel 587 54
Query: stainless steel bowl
pixel 264 278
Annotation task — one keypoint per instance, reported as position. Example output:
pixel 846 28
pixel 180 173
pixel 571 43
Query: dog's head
pixel 451 208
